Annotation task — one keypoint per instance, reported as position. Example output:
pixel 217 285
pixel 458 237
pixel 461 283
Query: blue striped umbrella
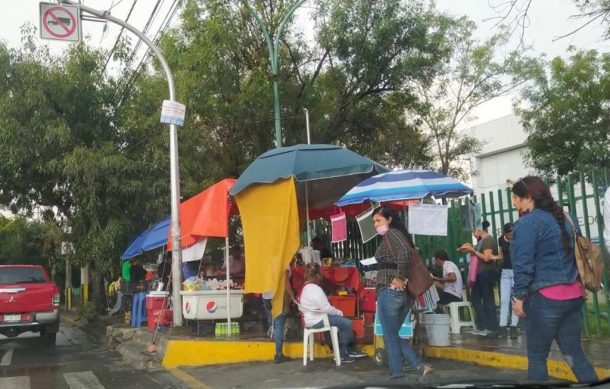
pixel 404 185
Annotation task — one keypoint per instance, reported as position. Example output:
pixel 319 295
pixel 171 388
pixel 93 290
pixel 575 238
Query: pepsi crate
pixel 211 304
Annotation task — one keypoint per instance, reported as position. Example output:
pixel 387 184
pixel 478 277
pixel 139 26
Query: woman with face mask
pixel 393 255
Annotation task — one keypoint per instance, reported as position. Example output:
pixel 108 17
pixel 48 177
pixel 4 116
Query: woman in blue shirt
pixel 547 292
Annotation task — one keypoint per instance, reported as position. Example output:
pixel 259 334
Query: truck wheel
pixel 48 338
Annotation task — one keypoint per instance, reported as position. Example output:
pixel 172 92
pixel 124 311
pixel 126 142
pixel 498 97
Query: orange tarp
pixel 206 214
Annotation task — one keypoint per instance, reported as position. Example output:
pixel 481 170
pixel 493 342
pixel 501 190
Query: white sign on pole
pixel 173 112
pixel 67 248
pixel 60 22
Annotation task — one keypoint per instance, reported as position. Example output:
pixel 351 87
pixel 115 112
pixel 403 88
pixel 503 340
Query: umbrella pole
pixel 227 278
pixel 307 213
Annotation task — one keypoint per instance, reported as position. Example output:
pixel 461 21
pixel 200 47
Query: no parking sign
pixel 60 22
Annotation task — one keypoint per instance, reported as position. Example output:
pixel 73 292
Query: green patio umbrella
pixel 323 173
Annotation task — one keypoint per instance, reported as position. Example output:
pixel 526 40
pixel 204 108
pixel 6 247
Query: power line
pixel 164 25
pixel 153 15
pixel 119 36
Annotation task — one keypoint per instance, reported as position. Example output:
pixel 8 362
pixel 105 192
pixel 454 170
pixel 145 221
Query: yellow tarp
pixel 270 219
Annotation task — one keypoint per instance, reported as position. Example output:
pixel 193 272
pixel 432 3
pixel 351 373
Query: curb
pixel 557 369
pixel 210 352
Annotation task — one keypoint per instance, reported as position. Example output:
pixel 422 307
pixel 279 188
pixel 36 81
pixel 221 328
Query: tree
pixel 365 55
pixel 515 15
pixel 471 76
pixel 66 145
pixel 565 114
pixel 351 78
pixel 27 241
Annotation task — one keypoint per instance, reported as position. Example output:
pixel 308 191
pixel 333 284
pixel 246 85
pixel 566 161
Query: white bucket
pixel 437 328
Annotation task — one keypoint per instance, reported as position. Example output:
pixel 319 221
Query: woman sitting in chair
pixel 315 304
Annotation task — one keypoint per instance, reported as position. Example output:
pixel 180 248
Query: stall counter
pixel 211 304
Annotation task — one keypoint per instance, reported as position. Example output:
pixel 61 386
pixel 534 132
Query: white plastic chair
pixel 309 341
pixel 454 310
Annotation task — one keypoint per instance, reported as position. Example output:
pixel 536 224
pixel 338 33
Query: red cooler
pixel 155 300
pixel 162 316
pixel 367 300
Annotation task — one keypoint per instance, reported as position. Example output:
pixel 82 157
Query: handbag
pixel 473 268
pixel 588 260
pixel 418 275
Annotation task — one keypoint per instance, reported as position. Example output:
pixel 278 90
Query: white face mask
pixel 381 230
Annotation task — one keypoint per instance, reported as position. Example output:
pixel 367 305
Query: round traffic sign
pixel 58 22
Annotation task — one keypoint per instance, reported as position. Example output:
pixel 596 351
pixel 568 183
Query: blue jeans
pixel 506 289
pixel 560 320
pixel 345 330
pixel 392 311
pixel 278 333
pixel 483 301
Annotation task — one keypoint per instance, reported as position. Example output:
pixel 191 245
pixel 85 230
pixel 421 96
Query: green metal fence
pixel 582 195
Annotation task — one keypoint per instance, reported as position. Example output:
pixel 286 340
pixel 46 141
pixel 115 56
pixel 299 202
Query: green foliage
pixel 66 143
pixel 86 311
pixel 565 114
pixel 28 242
pixel 352 79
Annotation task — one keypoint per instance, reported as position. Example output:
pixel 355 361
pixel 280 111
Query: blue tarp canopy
pixel 153 238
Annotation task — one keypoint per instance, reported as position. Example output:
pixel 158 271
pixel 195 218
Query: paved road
pixel 323 373
pixel 74 363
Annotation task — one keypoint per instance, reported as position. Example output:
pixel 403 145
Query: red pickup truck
pixel 29 301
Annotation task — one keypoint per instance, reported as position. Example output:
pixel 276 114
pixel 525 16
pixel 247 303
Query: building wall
pixel 502 159
pixel 502 154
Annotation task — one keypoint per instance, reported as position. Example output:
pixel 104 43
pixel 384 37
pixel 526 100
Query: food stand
pixel 212 304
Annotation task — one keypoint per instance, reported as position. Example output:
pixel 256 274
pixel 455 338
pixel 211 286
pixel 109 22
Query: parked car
pixel 29 301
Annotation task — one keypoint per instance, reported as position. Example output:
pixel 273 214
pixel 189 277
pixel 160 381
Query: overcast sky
pixel 548 19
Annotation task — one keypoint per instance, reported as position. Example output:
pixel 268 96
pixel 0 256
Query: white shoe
pixel 480 332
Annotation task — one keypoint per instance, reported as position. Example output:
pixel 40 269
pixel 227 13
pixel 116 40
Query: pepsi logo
pixel 211 306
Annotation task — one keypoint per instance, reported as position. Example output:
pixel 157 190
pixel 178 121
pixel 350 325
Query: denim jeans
pixel 559 320
pixel 483 301
pixel 506 289
pixel 392 310
pixel 345 331
pixel 278 333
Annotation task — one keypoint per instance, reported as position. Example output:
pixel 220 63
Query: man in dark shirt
pixel 138 273
pixel 486 251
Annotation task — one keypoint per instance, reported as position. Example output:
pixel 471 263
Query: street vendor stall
pixel 276 194
pixel 429 218
pixel 203 216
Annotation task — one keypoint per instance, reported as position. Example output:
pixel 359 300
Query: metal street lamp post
pixel 173 156
pixel 273 47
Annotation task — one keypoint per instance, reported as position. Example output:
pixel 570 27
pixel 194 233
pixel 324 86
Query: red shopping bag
pixel 472 270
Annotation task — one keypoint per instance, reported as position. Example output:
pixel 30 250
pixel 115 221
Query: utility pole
pixel 173 155
pixel 273 43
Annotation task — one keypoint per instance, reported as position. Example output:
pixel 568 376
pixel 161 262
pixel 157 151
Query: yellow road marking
pixel 188 379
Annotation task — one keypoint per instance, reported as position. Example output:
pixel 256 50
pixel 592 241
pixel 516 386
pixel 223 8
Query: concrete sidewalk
pixel 499 353
pixel 511 353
